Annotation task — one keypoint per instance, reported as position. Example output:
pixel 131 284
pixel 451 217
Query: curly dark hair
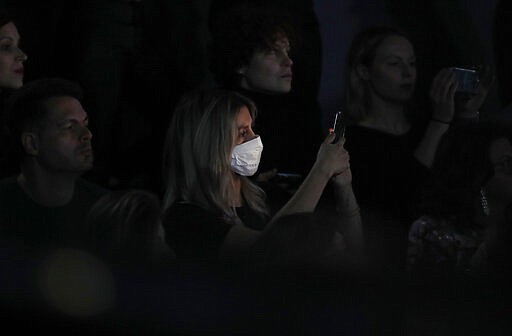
pixel 239 31
pixel 4 18
pixel 462 166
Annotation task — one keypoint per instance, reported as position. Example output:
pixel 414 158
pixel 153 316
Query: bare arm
pixel 332 159
pixel 442 93
pixel 445 107
pixel 349 217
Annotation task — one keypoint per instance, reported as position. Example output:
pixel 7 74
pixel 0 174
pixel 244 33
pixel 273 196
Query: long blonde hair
pixel 197 157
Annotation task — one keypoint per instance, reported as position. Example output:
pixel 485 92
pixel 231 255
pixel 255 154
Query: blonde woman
pixel 211 206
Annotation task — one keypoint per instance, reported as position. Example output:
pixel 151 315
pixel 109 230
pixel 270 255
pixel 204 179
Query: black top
pixel 198 234
pixel 386 175
pixel 26 223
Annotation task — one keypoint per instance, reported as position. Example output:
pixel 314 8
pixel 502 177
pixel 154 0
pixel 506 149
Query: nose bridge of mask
pixel 247 152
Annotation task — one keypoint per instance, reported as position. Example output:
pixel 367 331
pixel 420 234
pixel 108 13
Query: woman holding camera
pixel 211 204
pixel 253 52
pixel 392 144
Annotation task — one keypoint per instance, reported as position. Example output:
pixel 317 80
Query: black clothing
pixel 25 223
pixel 195 233
pixel 386 179
pixel 386 175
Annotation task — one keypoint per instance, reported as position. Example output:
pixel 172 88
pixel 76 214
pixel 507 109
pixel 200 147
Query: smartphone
pixel 339 126
pixel 467 79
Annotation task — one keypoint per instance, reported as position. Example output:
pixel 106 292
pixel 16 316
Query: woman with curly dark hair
pixel 251 52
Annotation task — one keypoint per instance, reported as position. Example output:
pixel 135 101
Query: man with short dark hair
pixel 46 203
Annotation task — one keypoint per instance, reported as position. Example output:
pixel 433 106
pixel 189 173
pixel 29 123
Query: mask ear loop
pixel 483 202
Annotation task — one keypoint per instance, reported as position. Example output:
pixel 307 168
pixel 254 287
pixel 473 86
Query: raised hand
pixel 442 94
pixel 332 158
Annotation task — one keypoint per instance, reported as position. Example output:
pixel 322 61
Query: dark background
pixel 135 65
pixel 445 33
pixel 170 58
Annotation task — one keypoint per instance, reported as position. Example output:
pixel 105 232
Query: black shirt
pixel 29 224
pixel 195 233
pixel 386 175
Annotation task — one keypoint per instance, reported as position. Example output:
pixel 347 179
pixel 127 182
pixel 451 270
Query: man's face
pixel 64 138
pixel 269 71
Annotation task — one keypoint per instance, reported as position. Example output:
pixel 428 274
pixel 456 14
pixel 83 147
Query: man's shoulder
pixel 86 193
pixel 89 188
pixel 8 186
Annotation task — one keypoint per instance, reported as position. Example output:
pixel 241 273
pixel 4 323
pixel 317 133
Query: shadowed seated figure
pixel 46 203
pixel 213 211
pixel 125 228
pixel 466 203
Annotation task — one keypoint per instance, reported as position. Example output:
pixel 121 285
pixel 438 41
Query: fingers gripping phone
pixel 339 126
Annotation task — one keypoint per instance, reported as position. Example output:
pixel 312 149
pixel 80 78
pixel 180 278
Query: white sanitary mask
pixel 245 157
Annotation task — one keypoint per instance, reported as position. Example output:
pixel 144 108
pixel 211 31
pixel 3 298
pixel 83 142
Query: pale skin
pixel 391 78
pixel 11 58
pixel 269 71
pixel 332 164
pixel 444 107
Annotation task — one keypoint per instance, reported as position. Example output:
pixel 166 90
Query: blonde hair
pixel 362 52
pixel 125 225
pixel 197 157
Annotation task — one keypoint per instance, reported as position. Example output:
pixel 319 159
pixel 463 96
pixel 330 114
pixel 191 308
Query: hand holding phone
pixel 339 126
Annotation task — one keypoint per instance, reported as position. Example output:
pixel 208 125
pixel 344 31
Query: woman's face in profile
pixel 244 126
pixel 11 58
pixel 269 71
pixel 392 74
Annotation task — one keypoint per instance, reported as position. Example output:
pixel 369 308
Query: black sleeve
pixel 194 233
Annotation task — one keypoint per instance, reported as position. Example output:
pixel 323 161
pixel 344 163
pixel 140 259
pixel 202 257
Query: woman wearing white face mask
pixel 211 206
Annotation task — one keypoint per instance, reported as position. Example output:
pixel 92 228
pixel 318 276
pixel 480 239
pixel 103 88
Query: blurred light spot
pixel 76 283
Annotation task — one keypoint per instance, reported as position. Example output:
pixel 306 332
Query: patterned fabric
pixel 436 244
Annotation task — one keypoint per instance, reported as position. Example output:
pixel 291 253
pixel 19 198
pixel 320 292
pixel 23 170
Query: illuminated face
pixel 11 58
pixel 64 141
pixel 392 74
pixel 244 126
pixel 269 71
